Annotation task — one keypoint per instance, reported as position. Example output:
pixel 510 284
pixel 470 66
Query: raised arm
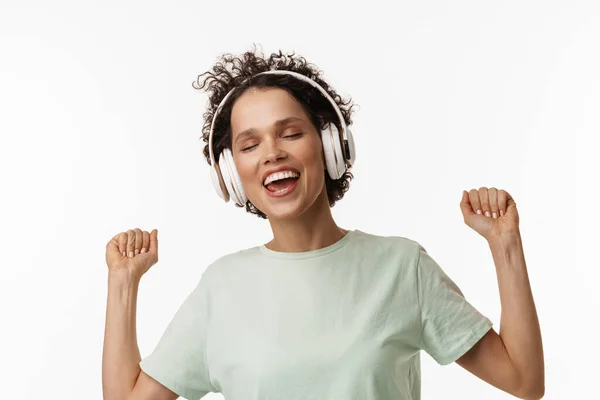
pixel 122 378
pixel 512 360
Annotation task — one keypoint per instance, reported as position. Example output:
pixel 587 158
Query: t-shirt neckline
pixel 309 254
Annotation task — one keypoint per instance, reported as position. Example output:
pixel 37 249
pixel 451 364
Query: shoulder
pixel 397 242
pixel 407 249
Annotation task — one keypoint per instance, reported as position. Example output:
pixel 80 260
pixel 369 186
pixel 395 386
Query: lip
pixel 287 191
pixel 278 169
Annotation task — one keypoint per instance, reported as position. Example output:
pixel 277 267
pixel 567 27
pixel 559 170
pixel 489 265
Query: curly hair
pixel 236 73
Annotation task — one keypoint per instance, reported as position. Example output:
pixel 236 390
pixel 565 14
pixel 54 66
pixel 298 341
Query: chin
pixel 284 212
pixel 299 202
pixel 282 209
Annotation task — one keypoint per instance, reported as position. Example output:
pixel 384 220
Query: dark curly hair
pixel 230 71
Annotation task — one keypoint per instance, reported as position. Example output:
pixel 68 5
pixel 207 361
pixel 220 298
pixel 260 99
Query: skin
pixel 302 220
pixel 512 360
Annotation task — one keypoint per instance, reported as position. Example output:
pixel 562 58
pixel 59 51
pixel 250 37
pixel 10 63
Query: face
pixel 270 129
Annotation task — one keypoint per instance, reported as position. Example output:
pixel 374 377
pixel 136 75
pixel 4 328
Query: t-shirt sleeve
pixel 450 324
pixel 179 360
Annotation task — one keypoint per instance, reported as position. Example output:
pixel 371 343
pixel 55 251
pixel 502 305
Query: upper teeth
pixel 280 175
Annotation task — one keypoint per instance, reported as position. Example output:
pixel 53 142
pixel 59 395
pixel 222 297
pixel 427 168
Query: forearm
pixel 121 354
pixel 519 325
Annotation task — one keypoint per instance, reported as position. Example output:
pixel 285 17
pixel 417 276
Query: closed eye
pixel 288 136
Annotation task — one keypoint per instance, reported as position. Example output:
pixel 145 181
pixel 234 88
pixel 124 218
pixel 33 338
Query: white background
pixel 100 131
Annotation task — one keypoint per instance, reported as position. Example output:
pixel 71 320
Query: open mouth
pixel 280 184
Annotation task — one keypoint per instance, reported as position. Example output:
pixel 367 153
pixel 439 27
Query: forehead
pixel 259 108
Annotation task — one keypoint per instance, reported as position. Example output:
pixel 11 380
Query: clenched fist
pixel 490 212
pixel 133 252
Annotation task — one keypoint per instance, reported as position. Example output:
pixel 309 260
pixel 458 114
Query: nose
pixel 272 151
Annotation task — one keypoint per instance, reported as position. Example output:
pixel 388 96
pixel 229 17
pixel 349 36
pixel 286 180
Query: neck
pixel 312 230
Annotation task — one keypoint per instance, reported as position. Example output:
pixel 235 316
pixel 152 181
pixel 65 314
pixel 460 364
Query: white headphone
pixel 225 177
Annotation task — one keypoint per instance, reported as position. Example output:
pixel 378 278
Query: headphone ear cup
pixel 232 178
pixel 351 146
pixel 334 159
pixel 219 185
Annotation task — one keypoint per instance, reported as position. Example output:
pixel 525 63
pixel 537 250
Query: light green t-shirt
pixel 346 321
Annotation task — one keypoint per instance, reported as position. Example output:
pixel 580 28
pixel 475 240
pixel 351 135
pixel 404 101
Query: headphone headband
pixel 343 133
pixel 344 146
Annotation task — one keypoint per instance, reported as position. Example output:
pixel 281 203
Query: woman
pixel 318 312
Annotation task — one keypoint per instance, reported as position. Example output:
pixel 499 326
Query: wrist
pixel 505 239
pixel 506 249
pixel 122 277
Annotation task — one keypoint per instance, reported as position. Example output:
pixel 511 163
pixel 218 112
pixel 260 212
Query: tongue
pixel 281 184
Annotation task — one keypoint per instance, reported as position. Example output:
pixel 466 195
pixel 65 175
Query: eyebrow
pixel 278 123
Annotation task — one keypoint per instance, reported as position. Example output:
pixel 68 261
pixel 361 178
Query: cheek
pixel 245 168
pixel 314 162
pixel 317 157
pixel 311 154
